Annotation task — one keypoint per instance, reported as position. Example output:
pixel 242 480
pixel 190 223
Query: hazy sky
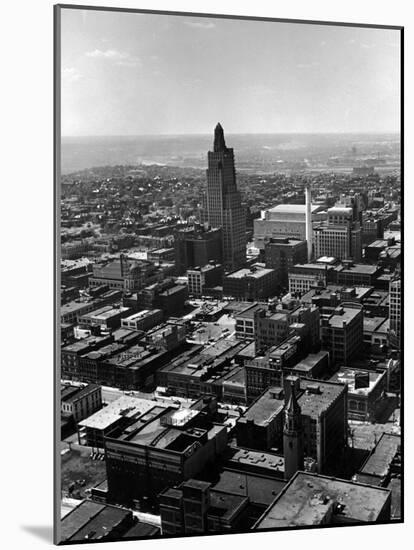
pixel 128 73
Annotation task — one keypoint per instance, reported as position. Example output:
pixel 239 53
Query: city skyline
pixel 148 74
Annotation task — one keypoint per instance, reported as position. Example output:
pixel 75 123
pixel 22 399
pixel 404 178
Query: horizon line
pixel 391 132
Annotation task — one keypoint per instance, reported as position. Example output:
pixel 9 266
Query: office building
pixel 80 401
pixel 342 333
pixel 223 207
pixel 302 277
pixel 143 320
pixel 105 318
pixel 282 254
pixel 366 390
pixel 202 280
pixel 250 283
pixel 323 421
pixel 196 508
pixel 163 448
pixel 197 246
pixel 340 237
pixel 395 313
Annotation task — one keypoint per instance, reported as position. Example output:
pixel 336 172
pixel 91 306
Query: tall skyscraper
pixel 223 202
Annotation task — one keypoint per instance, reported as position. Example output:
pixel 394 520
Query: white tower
pixel 308 221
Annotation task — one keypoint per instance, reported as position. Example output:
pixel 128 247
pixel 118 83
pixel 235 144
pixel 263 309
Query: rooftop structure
pixel 123 407
pixel 311 499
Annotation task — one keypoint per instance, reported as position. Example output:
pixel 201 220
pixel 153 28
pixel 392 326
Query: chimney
pixel 308 222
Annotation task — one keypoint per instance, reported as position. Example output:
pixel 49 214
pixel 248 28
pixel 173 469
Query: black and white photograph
pixel 229 274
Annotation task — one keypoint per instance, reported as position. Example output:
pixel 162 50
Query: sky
pixel 139 74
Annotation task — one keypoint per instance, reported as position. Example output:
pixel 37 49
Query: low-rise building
pixel 80 401
pixel 163 448
pixel 105 318
pixel 143 320
pixel 91 521
pixel 254 283
pixel 365 392
pixel 325 501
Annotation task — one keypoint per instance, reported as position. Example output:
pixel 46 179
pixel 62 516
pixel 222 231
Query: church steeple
pixel 219 142
pixel 292 435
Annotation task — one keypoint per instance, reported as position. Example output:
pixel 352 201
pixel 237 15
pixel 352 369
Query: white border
pixel 27 267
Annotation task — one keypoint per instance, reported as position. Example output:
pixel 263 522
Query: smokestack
pixel 308 221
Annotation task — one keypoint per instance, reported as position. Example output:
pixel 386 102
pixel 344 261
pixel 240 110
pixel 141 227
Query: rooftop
pixel 266 407
pixel 256 271
pixel 343 315
pixel 142 315
pixel 318 396
pixel 379 461
pixel 371 324
pixel 311 360
pixel 104 313
pixel 357 268
pixel 310 499
pixel 247 459
pixel 125 406
pixel 74 393
pixel 293 208
pixel 102 524
pixel 260 489
pixel 225 505
pixel 348 376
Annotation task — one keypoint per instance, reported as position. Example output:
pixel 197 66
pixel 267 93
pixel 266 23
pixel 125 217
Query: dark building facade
pixel 197 246
pixel 282 254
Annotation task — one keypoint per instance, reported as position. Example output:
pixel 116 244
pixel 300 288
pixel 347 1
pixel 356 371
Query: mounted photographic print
pixel 228 274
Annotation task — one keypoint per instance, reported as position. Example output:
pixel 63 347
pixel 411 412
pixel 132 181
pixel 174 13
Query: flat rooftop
pixel 266 407
pixel 104 313
pixel 142 315
pixel 255 272
pixel 245 459
pixel 308 500
pixel 293 208
pixel 107 520
pixel 317 396
pixel 125 406
pixel 79 517
pixel 311 360
pixel 249 312
pixel 69 395
pixel 225 505
pixel 379 461
pixel 261 490
pixel 358 268
pixel 343 315
pixel 371 324
pixel 347 376
pixel 77 305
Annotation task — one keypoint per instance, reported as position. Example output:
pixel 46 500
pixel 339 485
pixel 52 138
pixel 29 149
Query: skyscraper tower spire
pixel 219 142
pixel 293 435
pixel 223 205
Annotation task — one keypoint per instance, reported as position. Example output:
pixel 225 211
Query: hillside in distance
pixel 258 152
